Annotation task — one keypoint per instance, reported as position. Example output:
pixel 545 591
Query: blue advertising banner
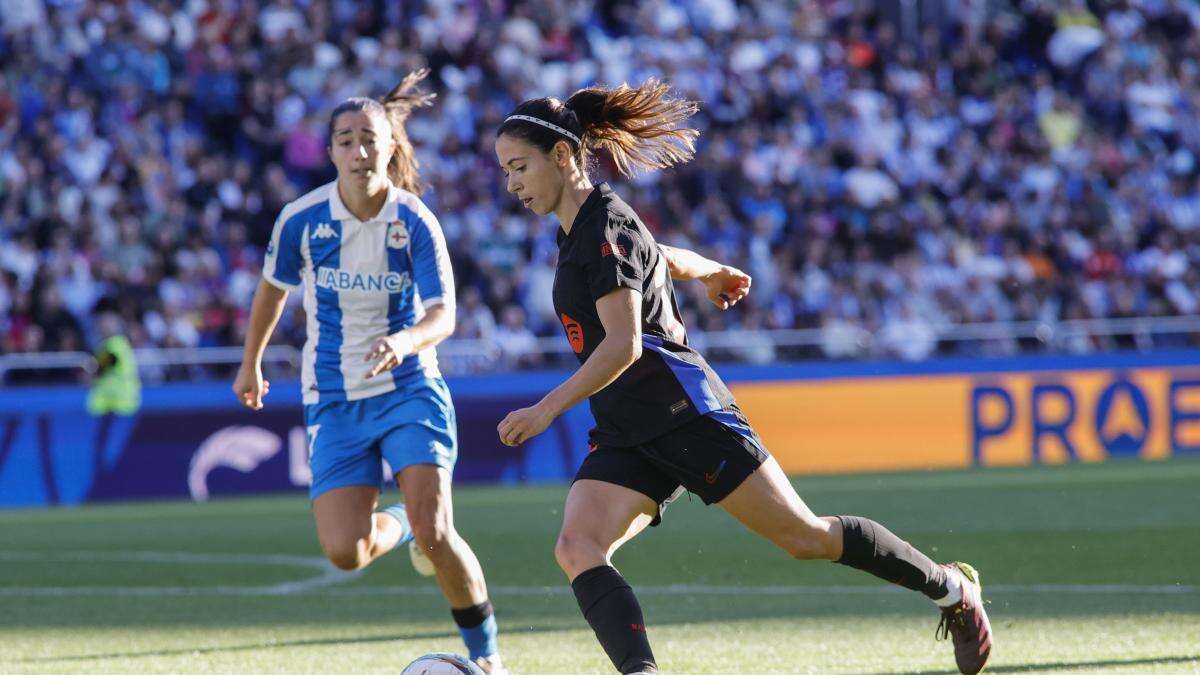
pixel 194 440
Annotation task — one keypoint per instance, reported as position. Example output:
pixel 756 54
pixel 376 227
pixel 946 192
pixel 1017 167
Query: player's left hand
pixel 521 425
pixel 727 286
pixel 388 352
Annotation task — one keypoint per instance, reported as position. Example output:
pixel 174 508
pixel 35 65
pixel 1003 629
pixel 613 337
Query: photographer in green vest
pixel 115 397
pixel 116 388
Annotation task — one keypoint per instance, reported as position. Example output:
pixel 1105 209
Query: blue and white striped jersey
pixel 362 281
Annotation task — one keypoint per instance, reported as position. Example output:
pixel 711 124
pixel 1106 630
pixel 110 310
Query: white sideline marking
pixel 703 589
pixel 321 586
pixel 329 576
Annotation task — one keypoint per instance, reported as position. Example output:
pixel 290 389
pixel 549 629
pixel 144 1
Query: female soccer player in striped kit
pixel 664 420
pixel 379 295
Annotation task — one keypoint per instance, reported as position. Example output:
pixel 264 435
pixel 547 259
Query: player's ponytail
pixel 398 105
pixel 395 107
pixel 638 126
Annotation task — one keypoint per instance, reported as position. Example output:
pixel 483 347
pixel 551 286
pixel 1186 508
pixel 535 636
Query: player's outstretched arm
pixel 725 285
pixel 250 387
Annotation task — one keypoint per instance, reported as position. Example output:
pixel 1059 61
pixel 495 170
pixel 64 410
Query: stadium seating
pixel 988 167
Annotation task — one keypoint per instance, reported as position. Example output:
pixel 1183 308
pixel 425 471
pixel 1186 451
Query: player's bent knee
pixel 349 555
pixel 577 554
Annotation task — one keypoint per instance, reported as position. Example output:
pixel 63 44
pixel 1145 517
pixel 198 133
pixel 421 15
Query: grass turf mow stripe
pixel 1088 567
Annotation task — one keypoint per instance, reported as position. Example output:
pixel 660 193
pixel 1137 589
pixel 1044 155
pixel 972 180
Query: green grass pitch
pixel 1087 568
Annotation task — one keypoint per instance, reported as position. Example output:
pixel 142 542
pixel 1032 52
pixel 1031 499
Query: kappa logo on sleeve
pixel 574 333
pixel 606 249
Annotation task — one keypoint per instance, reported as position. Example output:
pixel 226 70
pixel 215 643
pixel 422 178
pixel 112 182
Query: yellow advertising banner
pixel 896 422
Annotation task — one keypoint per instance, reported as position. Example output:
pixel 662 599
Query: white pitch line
pixel 703 589
pixel 328 577
pixel 165 557
pixel 320 586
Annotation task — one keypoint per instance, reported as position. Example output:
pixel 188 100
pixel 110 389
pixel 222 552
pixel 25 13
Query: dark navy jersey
pixel 609 248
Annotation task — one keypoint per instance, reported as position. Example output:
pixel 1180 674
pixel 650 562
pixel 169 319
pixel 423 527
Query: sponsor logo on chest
pixel 607 249
pixel 342 280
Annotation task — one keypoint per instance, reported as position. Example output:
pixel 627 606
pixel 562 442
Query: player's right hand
pixel 727 286
pixel 249 387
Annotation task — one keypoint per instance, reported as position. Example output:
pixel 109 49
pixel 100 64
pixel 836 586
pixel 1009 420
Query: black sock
pixel 871 547
pixel 609 605
pixel 470 617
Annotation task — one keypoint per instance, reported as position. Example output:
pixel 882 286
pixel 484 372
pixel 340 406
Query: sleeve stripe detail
pixel 422 216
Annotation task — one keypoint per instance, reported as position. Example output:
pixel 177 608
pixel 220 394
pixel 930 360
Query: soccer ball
pixel 441 664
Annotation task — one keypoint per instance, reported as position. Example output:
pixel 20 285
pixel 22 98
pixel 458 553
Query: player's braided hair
pixel 638 126
pixel 396 106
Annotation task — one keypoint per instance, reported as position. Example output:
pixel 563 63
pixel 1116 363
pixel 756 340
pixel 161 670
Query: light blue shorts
pixel 347 439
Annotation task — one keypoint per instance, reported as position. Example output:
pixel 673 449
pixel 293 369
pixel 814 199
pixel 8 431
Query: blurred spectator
pixel 517 344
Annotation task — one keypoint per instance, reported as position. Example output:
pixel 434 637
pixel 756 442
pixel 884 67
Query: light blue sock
pixel 397 511
pixel 480 640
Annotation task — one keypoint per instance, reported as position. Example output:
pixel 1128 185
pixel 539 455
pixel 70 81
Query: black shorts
pixel 709 456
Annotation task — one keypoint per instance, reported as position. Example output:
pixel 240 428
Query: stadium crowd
pixel 1031 163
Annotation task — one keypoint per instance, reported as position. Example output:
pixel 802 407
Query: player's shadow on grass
pixel 316 642
pixel 1075 665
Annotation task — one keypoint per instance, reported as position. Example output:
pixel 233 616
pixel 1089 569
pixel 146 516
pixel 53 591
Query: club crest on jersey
pixel 574 333
pixel 397 235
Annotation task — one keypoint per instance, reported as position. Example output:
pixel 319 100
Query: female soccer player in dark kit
pixel 665 422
